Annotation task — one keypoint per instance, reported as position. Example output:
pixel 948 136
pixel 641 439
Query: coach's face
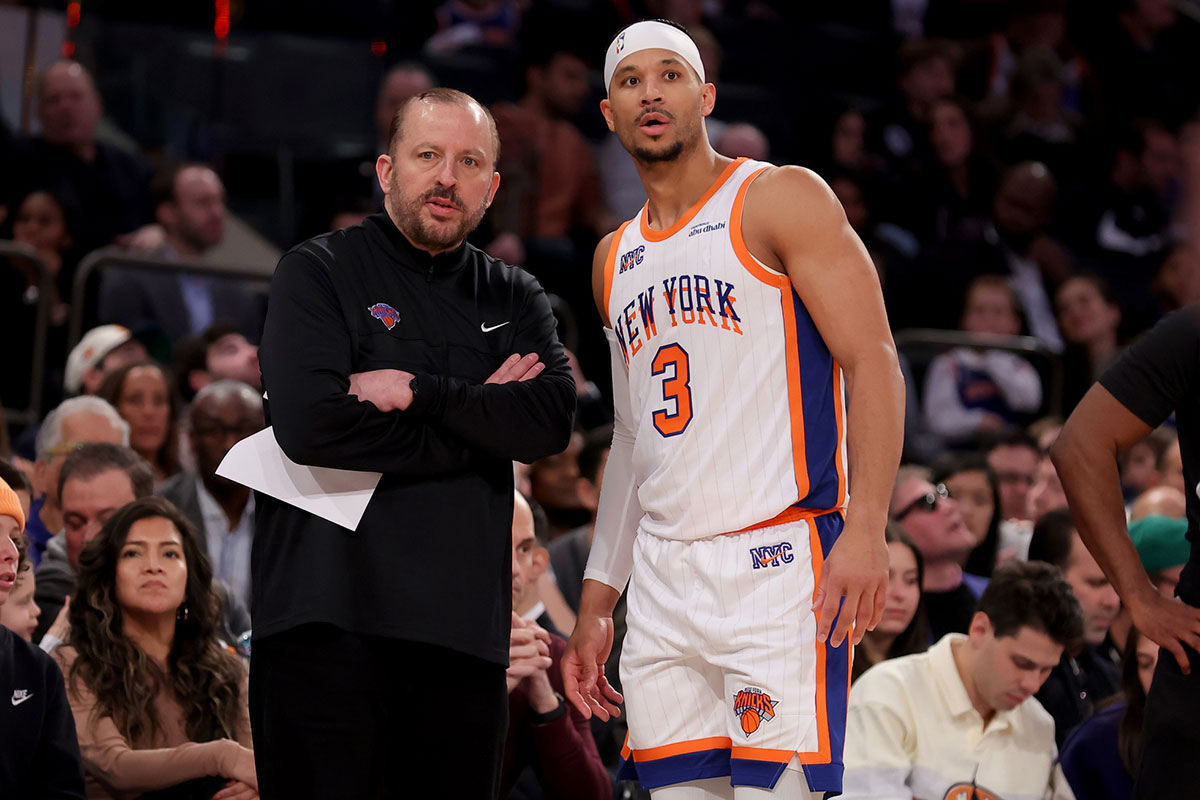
pixel 440 177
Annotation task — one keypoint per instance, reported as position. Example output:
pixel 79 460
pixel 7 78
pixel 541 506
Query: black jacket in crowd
pixel 39 753
pixel 430 560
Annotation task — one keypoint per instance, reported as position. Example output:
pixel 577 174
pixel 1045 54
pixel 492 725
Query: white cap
pixel 91 350
pixel 650 35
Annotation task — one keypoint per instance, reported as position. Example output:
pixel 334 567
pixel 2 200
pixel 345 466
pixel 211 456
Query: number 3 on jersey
pixel 671 360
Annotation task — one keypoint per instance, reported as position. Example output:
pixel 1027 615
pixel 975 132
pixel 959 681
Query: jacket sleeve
pixel 518 421
pixel 307 358
pixel 568 763
pixel 56 765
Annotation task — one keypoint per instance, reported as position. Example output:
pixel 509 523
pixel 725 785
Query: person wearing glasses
pixel 223 413
pixel 929 515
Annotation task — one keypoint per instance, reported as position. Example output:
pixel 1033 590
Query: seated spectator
pixel 1139 464
pixel 107 189
pixel 1013 456
pixel 19 613
pixel 221 511
pixel 1163 501
pixel 1100 757
pixel 1177 283
pixel 1084 676
pixel 972 484
pixel 221 352
pixel 555 486
pixel 39 754
pixel 960 719
pixel 1047 493
pixel 1089 317
pixel 743 140
pixel 190 205
pixel 158 700
pixel 102 351
pixel 481 23
pixel 903 630
pixel 925 72
pixel 972 390
pixel 929 515
pixel 144 397
pixel 952 193
pixel 73 423
pixel 569 552
pixel 1170 465
pixel 545 732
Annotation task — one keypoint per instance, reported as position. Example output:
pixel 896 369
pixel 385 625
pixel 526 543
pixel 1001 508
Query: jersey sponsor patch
pixel 772 555
pixel 753 707
pixel 385 314
pixel 705 227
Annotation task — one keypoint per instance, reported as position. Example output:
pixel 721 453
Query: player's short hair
pixel 1032 594
pixel 444 96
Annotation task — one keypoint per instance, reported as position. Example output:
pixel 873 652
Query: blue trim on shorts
pixel 828 777
pixel 824 778
pixel 750 772
pixel 676 769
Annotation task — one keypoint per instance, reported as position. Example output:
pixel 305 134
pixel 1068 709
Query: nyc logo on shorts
pixel 385 314
pixel 632 258
pixel 772 555
pixel 753 707
pixel 968 791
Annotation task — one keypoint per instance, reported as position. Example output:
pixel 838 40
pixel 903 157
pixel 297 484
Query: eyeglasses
pixel 926 502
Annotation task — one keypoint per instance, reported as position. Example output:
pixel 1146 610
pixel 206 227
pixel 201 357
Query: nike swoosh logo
pixel 483 326
pixel 18 700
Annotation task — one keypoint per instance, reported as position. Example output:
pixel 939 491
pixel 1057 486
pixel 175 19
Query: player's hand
pixel 528 651
pixel 517 368
pixel 583 668
pixel 854 579
pixel 1169 622
pixel 386 389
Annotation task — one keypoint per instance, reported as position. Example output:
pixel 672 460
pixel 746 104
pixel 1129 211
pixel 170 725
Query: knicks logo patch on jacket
pixel 385 314
pixel 753 707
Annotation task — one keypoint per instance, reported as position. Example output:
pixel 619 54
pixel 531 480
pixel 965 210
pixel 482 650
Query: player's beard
pixel 429 235
pixel 688 134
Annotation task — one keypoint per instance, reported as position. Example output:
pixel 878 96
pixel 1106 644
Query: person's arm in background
pixel 1156 374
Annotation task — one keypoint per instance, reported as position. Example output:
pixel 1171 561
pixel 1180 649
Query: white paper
pixel 338 495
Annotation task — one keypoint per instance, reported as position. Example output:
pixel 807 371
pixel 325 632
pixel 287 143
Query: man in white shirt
pixel 960 720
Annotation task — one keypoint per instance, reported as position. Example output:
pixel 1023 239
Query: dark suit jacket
pixel 181 491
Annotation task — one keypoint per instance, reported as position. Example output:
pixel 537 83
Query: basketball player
pixel 748 334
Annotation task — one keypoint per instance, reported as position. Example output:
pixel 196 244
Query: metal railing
pixel 98 260
pixel 920 345
pixel 15 253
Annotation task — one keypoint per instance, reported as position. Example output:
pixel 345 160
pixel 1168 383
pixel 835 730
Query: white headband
pixel 650 36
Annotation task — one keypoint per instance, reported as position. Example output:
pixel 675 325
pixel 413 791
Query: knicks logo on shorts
pixel 753 707
pixel 385 314
pixel 772 555
pixel 967 791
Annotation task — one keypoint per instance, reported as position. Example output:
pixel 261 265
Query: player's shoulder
pixel 790 195
pixel 790 180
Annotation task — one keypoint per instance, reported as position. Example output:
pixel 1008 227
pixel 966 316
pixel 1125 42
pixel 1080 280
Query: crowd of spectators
pixel 1026 178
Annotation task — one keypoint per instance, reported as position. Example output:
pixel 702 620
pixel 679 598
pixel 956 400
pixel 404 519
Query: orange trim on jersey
pixel 822 754
pixel 626 751
pixel 652 235
pixel 683 748
pixel 838 397
pixel 610 268
pixel 791 345
pixel 789 514
pixel 762 754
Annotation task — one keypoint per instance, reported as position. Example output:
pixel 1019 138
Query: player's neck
pixel 673 187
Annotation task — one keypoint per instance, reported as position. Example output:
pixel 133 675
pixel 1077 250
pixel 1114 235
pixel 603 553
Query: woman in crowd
pixel 1100 757
pixel 158 701
pixel 1089 318
pixel 972 483
pixel 903 628
pixel 954 193
pixel 143 396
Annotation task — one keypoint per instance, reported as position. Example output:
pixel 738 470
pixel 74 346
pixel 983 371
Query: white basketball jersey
pixel 738 405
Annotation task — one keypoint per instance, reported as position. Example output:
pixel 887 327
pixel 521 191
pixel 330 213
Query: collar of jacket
pixel 415 258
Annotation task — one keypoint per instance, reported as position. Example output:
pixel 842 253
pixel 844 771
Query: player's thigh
pixel 707 789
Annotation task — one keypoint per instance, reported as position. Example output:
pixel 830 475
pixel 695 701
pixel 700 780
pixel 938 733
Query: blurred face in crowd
pixel 1165 501
pixel 1096 596
pixel 950 134
pixel 1139 468
pixel 41 224
pixel 10 534
pixel 151 569
pixel 1008 670
pixel 398 86
pixel 1047 493
pixel 1023 203
pixel 938 529
pixel 1160 160
pixel 82 427
pixel 524 544
pixel 562 84
pixel 218 421
pixel 904 590
pixel 1084 316
pixel 1147 660
pixel 145 404
pixel 195 216
pixel 973 493
pixel 69 105
pixel 656 105
pixel 1014 467
pixel 925 82
pixel 852 201
pixel 232 357
pixel 87 505
pixel 555 478
pixel 20 613
pixel 1171 467
pixel 440 177
pixel 849 139
pixel 991 309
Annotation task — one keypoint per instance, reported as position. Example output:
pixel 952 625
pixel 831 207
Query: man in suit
pixel 223 413
pixel 190 206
